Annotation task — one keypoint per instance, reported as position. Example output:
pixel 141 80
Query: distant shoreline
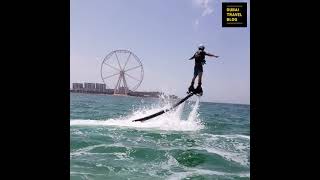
pixel 134 94
pixel 108 94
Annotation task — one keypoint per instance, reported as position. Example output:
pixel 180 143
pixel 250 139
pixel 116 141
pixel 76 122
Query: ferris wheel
pixel 122 71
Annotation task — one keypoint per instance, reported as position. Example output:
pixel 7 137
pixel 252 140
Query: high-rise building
pixel 100 87
pixel 89 86
pixel 77 86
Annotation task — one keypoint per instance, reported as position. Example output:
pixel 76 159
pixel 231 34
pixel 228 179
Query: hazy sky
pixel 163 34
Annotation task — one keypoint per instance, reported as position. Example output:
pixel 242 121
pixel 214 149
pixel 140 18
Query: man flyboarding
pixel 199 58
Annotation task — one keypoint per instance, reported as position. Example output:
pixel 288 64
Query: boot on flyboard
pixel 191 89
pixel 198 91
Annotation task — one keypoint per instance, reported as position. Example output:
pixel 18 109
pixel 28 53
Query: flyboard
pixel 168 109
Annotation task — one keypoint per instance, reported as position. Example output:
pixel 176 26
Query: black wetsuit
pixel 199 57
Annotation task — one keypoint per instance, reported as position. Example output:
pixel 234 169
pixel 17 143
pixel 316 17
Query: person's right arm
pixel 192 57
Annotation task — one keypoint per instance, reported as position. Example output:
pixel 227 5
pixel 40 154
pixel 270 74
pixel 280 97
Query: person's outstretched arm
pixel 208 54
pixel 192 57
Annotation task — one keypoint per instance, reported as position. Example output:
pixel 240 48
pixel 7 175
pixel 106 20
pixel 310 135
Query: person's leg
pixel 195 74
pixel 191 87
pixel 200 78
pixel 198 90
pixel 193 79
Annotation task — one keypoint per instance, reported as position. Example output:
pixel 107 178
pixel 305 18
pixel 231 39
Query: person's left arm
pixel 212 55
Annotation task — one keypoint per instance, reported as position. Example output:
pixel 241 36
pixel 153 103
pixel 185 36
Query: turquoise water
pixel 199 140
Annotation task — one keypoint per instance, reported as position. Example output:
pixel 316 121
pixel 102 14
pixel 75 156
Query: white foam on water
pixel 122 156
pixel 244 136
pixel 236 152
pixel 86 150
pixel 236 157
pixel 83 173
pixel 193 171
pixel 227 136
pixel 83 151
pixel 169 163
pixel 170 120
pixel 76 132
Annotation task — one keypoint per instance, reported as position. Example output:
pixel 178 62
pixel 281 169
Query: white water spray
pixel 168 121
pixel 194 113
